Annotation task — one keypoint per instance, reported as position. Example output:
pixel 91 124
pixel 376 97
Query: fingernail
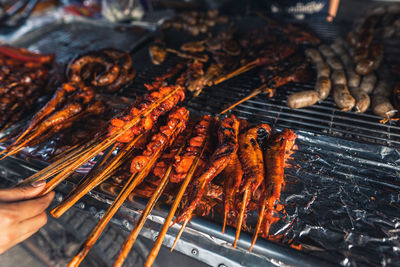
pixel 38 183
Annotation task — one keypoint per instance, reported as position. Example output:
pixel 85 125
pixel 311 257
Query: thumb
pixel 22 193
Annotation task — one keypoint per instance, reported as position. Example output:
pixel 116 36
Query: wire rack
pixel 322 118
pixel 343 159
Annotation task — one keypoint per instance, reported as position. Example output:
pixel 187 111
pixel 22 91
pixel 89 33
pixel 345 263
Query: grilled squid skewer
pixel 274 159
pixel 250 155
pixel 232 174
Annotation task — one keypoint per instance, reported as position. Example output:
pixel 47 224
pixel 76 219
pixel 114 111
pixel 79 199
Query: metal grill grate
pixel 331 183
pixel 324 118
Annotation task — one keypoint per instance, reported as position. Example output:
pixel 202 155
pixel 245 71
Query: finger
pixel 22 210
pixel 21 193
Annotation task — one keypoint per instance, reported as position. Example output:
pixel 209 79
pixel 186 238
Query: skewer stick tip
pixel 258 227
pixel 241 216
pixel 180 232
pixel 224 224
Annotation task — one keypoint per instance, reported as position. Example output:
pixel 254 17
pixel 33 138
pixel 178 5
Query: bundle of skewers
pixel 23 79
pixel 161 147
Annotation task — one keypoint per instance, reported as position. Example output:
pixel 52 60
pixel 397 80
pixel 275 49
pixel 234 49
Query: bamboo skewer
pixel 131 184
pixel 127 246
pixel 249 66
pixel 55 167
pixel 257 91
pixel 64 153
pixel 251 95
pixel 130 240
pixel 92 150
pixel 156 248
pixel 185 55
pixel 241 216
pixel 224 223
pixel 178 236
pixel 93 180
pixel 259 222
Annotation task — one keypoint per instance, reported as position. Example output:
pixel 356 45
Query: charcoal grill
pixel 343 178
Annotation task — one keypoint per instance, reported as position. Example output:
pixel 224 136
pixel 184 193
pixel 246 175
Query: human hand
pixel 22 213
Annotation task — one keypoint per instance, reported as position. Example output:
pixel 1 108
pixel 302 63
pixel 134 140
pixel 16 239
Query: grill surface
pixel 343 163
pixel 341 185
pixel 323 118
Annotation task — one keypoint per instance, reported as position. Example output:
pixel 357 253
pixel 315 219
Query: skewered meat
pixel 197 85
pixel 193 47
pixel 232 175
pixel 274 158
pixel 23 78
pixel 147 122
pixel 140 167
pixel 162 80
pixel 227 137
pixel 250 156
pixel 157 52
pixel 183 162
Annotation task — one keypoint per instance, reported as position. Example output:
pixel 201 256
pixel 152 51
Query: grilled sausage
pixel 323 69
pixel 368 83
pixel 326 51
pixel 338 48
pixel 352 38
pixel 363 100
pixel 383 88
pixel 359 54
pixel 342 97
pixel 302 99
pixel 339 77
pixel 382 106
pixel 353 78
pixel 347 60
pixel 334 63
pixel 372 62
pixel 365 66
pixel 323 87
pixel 314 55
